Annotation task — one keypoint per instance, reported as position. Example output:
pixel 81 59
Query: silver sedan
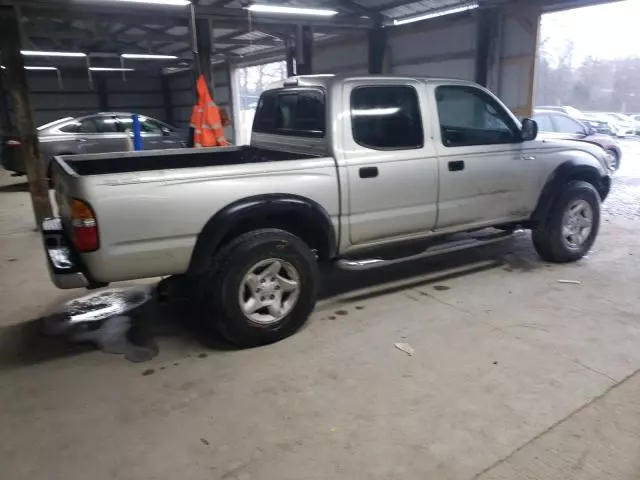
pixel 99 133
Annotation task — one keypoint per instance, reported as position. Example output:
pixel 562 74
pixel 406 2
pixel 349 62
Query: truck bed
pixel 123 162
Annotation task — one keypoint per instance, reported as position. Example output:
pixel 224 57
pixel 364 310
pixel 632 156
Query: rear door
pixel 391 163
pixel 99 134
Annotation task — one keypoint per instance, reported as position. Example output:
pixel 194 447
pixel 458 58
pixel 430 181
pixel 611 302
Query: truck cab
pixel 339 169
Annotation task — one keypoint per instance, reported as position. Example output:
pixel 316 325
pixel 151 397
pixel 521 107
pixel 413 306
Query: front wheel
pixel 572 225
pixel 260 288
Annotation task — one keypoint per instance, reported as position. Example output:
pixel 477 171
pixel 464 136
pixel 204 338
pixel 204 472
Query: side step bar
pixel 449 247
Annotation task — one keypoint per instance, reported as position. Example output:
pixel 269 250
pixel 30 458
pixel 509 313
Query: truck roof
pixel 329 79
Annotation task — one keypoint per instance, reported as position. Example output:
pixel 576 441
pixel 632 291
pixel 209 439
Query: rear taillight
pixel 84 226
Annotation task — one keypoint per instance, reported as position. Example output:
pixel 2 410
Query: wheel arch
pixel 571 170
pixel 296 214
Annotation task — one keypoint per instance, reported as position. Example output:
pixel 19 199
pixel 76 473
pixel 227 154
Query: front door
pixel 487 175
pixel 155 136
pixel 391 164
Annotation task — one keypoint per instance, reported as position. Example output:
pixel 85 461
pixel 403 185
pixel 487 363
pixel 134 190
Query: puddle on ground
pixel 106 319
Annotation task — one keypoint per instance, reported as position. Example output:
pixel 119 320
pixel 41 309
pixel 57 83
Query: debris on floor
pixel 406 348
pixel 571 282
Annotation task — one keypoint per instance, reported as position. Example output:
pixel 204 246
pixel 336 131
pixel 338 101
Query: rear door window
pixel 386 117
pixel 88 125
pixel 567 125
pixel 106 124
pixel 73 127
pixel 295 112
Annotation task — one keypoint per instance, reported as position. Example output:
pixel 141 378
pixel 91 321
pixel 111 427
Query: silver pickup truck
pixel 339 169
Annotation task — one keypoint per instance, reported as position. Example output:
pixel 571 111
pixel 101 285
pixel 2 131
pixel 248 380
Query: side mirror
pixel 590 130
pixel 529 130
pixel 165 131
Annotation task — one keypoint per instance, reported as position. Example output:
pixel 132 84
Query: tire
pixel 615 159
pixel 224 287
pixel 549 237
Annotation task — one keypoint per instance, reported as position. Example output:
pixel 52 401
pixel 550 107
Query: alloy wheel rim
pixel 577 224
pixel 269 291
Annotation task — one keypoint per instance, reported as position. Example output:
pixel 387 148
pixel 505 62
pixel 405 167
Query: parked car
pixel 567 110
pixel 616 129
pixel 603 127
pixel 339 169
pixel 555 125
pixel 636 122
pixel 102 132
pixel 619 127
pixel 626 123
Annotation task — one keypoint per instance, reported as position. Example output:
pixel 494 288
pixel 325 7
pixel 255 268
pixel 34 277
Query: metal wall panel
pixel 348 56
pixel 439 48
pixel 517 52
pixel 463 69
pixel 76 96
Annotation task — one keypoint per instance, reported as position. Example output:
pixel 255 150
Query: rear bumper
pixel 64 266
pixel 12 161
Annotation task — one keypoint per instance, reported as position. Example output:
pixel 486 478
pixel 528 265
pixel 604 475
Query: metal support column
pixel 16 85
pixel 377 48
pixel 103 96
pixel 166 99
pixel 290 53
pixel 487 27
pixel 204 52
pixel 304 50
pixel 5 109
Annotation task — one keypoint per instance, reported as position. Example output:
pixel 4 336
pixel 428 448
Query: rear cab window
pixel 297 112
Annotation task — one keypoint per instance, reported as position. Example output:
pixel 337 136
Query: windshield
pixel 291 111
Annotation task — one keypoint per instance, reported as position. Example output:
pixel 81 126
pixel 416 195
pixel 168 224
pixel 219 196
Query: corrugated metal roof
pixel 422 6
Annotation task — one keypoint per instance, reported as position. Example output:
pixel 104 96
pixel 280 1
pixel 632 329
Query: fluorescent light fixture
pixel 41 53
pixel 375 112
pixel 32 67
pixel 291 10
pixel 39 68
pixel 110 69
pixel 144 56
pixel 438 13
pixel 161 2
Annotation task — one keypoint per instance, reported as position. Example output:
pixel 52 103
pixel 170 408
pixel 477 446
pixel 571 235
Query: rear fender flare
pixel 255 208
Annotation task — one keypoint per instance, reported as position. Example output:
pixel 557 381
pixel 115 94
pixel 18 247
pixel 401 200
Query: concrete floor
pixel 515 375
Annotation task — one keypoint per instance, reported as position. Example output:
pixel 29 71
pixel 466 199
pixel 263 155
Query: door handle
pixel 456 165
pixel 528 157
pixel 368 172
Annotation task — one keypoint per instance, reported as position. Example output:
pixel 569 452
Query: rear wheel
pixel 572 225
pixel 259 288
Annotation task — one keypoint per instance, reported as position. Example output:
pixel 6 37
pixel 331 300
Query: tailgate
pixel 67 186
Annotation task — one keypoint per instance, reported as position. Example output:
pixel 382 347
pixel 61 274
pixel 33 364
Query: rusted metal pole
pixel 16 86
